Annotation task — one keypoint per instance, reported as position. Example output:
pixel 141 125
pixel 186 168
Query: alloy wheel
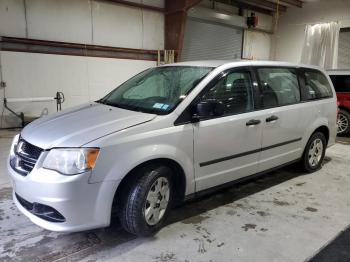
pixel 157 201
pixel 315 152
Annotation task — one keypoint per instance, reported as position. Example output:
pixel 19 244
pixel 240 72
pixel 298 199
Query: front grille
pixel 26 156
pixel 29 149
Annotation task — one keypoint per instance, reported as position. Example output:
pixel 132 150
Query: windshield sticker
pixel 165 107
pixel 158 105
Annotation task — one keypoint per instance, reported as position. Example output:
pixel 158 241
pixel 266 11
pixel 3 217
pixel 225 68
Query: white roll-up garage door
pixel 205 40
pixel 344 50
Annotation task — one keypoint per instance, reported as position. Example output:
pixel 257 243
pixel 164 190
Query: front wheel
pixel 314 152
pixel 147 201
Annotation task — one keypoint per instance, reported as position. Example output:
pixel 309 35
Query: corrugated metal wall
pixel 206 40
pixel 344 50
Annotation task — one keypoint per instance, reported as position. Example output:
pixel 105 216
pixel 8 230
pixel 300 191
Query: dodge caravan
pixel 166 135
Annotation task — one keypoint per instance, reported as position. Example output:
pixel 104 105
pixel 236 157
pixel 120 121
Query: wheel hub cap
pixel 157 201
pixel 315 152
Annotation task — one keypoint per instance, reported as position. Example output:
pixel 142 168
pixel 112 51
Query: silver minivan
pixel 167 135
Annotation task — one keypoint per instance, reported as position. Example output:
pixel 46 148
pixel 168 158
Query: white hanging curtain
pixel 321 45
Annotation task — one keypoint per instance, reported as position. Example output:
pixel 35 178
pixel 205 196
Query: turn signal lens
pixel 91 157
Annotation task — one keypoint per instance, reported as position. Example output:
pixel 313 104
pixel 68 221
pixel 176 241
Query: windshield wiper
pixel 129 107
pixel 123 106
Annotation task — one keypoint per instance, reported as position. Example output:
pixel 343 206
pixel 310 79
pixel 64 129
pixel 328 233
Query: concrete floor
pixel 284 216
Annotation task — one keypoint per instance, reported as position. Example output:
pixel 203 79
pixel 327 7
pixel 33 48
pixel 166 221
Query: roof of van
pixel 217 63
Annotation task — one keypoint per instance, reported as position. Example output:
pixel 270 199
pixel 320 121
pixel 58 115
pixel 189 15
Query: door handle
pixel 253 122
pixel 271 118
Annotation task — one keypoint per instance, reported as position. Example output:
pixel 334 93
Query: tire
pixel 312 160
pixel 343 122
pixel 136 200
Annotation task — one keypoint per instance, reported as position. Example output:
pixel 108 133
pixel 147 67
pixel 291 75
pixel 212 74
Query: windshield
pixel 157 90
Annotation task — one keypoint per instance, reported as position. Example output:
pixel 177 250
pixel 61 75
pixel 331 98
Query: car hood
pixel 81 125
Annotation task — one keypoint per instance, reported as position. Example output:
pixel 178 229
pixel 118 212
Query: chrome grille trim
pixel 26 156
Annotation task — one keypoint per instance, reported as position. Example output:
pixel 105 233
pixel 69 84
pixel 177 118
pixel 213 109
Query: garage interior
pixel 56 54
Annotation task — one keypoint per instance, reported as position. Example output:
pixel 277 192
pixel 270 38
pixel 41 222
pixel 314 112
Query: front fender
pixel 116 160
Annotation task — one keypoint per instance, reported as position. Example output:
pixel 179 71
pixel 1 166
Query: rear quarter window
pixel 317 85
pixel 341 83
pixel 279 86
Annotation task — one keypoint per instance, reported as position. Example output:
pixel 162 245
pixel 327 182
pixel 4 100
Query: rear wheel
pixel 314 152
pixel 147 201
pixel 343 122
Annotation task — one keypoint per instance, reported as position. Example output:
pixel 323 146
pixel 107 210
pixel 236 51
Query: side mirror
pixel 208 108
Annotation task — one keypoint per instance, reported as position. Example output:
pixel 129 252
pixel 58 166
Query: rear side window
pixel 341 83
pixel 280 86
pixel 317 85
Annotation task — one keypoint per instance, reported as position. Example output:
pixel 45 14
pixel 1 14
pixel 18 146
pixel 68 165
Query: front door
pixel 227 148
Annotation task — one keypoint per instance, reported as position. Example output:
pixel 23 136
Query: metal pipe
pixel 59 101
pixel 20 115
pixel 30 99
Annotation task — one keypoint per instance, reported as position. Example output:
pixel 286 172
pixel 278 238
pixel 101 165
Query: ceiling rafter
pixel 264 4
pixel 134 4
pixel 241 4
pixel 296 3
pixel 288 3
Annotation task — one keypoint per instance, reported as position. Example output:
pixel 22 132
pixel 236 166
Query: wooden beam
pixel 175 22
pixel 73 49
pixel 175 30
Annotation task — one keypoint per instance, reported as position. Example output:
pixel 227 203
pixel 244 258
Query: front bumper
pixel 83 205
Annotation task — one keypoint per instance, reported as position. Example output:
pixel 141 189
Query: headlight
pixel 13 146
pixel 71 161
